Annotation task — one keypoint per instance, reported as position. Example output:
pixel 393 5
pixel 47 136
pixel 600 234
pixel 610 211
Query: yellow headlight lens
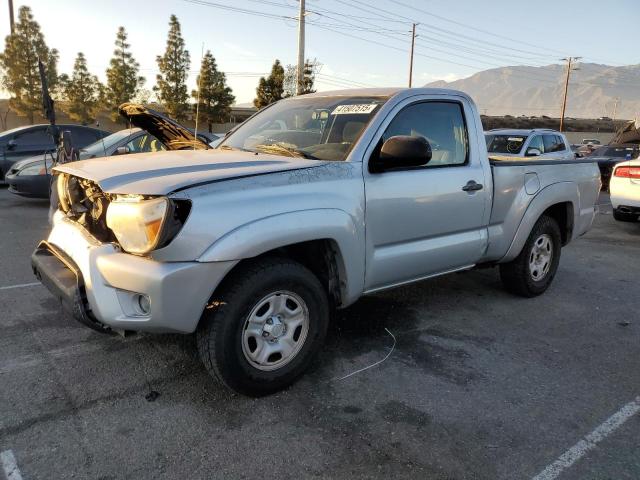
pixel 137 223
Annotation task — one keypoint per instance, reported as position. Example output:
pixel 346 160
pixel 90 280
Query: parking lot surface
pixel 480 384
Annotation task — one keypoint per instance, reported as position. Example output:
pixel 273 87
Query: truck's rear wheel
pixel 532 271
pixel 264 327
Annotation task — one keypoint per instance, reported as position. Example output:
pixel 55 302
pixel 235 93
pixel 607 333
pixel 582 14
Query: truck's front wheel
pixel 264 327
pixel 532 271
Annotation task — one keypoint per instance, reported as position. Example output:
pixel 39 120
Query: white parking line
pixel 21 285
pixel 9 465
pixel 589 442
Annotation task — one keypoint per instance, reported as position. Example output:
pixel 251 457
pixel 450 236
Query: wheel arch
pixel 326 241
pixel 561 202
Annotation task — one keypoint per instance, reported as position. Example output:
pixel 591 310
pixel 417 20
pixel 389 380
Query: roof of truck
pixel 386 92
pixel 521 131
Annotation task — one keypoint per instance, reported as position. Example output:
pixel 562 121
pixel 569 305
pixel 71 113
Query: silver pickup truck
pixel 311 203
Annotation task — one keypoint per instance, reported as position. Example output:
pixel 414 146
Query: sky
pixel 357 42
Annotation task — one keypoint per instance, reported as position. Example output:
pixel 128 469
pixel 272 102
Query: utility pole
pixel 300 48
pixel 11 21
pixel 615 108
pixel 569 61
pixel 413 42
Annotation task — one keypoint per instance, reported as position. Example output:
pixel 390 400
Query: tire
pixel 532 271
pixel 233 349
pixel 624 217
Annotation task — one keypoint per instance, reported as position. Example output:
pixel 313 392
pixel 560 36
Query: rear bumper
pixel 628 209
pixel 100 282
pixel 625 192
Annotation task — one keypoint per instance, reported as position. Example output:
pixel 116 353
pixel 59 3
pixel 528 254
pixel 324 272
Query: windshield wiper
pixel 237 149
pixel 277 148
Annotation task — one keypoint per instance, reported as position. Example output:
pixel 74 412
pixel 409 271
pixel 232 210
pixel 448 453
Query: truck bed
pixel 518 181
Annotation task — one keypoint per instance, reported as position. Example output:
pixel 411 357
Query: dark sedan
pixel 608 155
pixel 26 142
pixel 31 177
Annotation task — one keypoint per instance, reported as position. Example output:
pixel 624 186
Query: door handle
pixel 472 186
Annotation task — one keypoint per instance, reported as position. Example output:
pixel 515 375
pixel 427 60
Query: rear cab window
pixel 500 143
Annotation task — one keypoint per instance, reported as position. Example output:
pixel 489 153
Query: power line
pixel 237 9
pixel 387 14
pixel 542 77
pixel 455 22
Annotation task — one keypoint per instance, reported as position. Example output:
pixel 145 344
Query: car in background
pixel 542 143
pixel 581 150
pixel 625 191
pixel 590 141
pixel 210 138
pixel 153 132
pixel 25 142
pixel 609 155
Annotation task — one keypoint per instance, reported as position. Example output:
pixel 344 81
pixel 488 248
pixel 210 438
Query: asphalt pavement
pixel 480 384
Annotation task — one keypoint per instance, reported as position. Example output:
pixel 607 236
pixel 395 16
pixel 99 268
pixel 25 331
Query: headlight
pixel 37 168
pixel 137 223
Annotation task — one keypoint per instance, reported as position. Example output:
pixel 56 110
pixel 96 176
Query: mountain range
pixel 535 91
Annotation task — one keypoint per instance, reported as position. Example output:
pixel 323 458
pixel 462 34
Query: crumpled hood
pixel 160 173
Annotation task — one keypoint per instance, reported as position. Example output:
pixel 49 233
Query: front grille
pixel 84 202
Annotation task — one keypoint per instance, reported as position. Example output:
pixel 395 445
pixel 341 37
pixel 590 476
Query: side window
pixel 37 136
pixel 145 143
pixel 82 136
pixel 536 142
pixel 136 145
pixel 551 144
pixel 561 146
pixel 441 123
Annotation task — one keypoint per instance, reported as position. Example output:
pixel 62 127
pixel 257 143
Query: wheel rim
pixel 540 257
pixel 275 330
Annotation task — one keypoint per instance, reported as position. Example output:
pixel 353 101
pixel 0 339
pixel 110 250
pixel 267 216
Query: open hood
pixel 628 133
pixel 169 132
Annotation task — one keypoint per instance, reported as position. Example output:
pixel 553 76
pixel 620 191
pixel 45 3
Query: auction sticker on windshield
pixel 358 108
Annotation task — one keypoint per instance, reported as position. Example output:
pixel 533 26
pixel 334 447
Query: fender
pixel 553 194
pixel 269 233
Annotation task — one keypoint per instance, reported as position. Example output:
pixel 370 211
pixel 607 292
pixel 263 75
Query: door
pixel 537 143
pixel 554 147
pixel 29 143
pixel 426 220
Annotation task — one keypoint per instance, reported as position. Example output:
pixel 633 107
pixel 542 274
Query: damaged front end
pixel 83 201
pixel 137 224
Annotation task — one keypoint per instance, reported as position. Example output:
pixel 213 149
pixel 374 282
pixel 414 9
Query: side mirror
pixel 402 151
pixel 533 152
pixel 122 150
pixel 11 144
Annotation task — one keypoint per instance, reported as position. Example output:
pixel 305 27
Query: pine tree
pixel 270 89
pixel 174 68
pixel 82 92
pixel 123 82
pixel 19 65
pixel 311 67
pixel 215 96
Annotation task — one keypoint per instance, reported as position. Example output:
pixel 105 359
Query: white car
pixel 625 191
pixel 544 143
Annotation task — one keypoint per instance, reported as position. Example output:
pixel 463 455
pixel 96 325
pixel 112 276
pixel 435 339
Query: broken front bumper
pixel 98 284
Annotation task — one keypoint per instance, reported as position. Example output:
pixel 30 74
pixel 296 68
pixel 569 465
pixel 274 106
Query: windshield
pixel 320 128
pixel 505 143
pixel 620 151
pixel 97 149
